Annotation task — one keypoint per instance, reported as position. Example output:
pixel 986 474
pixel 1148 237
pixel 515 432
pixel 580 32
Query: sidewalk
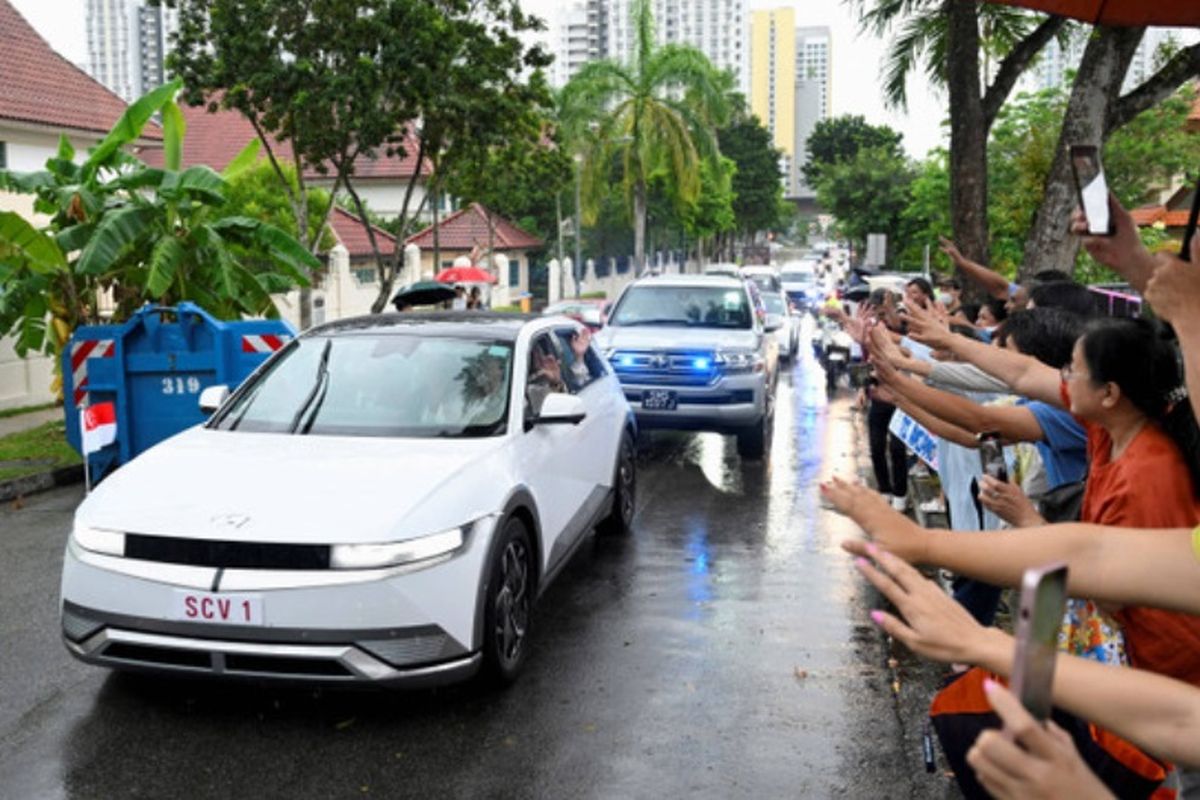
pixel 54 471
pixel 32 419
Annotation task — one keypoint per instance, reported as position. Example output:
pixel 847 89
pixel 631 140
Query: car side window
pixel 578 373
pixel 545 373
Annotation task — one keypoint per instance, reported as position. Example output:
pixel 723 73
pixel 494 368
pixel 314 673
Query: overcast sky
pixel 856 60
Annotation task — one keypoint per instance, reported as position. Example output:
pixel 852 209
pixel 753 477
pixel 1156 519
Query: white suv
pixel 696 353
pixel 382 502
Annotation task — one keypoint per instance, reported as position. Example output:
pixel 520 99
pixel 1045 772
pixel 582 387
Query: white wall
pixel 26 381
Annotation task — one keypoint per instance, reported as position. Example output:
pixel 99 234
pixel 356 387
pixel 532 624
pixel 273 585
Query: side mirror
pixel 212 398
pixel 561 409
pixel 773 322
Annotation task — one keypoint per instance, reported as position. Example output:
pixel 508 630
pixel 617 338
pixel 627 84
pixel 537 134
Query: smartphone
pixel 1043 601
pixel 862 375
pixel 1092 189
pixel 991 455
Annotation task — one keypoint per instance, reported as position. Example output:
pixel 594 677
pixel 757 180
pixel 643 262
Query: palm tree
pixel 957 40
pixel 658 112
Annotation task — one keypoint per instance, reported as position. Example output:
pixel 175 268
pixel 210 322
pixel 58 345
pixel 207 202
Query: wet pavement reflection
pixel 718 651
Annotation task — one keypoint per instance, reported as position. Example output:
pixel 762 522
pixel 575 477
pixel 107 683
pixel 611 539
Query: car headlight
pixel 390 554
pixel 740 360
pixel 99 540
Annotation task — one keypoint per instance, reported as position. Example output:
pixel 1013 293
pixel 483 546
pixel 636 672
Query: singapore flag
pixel 97 426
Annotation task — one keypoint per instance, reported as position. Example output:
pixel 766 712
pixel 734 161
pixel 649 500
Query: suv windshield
pixel 386 385
pixel 774 303
pixel 764 280
pixel 693 306
pixel 798 277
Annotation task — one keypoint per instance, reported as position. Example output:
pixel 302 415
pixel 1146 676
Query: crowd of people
pixel 1101 471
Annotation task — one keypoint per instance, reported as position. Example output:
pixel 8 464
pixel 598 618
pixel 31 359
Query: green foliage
pixel 928 215
pixel 139 234
pixel 839 139
pixel 868 193
pixel 632 121
pixel 713 210
pixel 757 190
pixel 253 192
pixel 36 450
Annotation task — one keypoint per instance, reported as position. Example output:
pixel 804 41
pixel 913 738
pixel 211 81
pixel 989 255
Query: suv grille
pixel 666 368
pixel 230 555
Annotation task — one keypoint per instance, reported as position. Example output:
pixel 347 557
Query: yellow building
pixel 773 77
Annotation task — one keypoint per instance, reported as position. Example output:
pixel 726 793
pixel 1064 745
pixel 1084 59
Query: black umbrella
pixel 422 293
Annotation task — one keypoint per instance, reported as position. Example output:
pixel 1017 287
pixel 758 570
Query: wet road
pixel 718 651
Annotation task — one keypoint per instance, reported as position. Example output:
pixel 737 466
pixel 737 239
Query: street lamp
pixel 578 226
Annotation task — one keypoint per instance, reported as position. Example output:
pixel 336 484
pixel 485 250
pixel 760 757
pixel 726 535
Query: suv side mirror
pixel 561 409
pixel 772 323
pixel 212 398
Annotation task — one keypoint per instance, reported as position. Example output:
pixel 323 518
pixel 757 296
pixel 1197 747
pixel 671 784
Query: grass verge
pixel 36 450
pixel 16 412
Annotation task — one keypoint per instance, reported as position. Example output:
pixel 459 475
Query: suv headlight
pixel 740 360
pixel 391 554
pixel 99 540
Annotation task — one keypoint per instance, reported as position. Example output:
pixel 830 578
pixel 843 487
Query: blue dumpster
pixel 153 368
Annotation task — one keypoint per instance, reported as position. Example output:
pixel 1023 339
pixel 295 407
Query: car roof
pixel 760 269
pixel 726 281
pixel 489 324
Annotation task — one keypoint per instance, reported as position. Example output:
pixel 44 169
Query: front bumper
pixel 729 403
pixel 391 627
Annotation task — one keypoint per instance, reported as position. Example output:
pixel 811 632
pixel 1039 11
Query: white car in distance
pixel 382 502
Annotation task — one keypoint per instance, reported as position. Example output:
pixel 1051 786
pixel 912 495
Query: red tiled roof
pixel 467 229
pixel 215 139
pixel 43 88
pixel 1151 215
pixel 350 232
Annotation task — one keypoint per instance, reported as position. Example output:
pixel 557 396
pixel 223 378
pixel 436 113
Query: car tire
pixel 620 519
pixel 752 441
pixel 508 607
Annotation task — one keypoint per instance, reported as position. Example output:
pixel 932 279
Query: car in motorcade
pixel 381 503
pixel 775 302
pixel 801 285
pixel 722 268
pixel 590 312
pixel 696 352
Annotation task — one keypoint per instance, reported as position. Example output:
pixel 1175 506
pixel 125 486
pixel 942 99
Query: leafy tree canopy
pixel 757 189
pixel 840 139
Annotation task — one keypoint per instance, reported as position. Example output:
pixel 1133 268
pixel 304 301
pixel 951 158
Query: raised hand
pixel 879 521
pixel 1174 289
pixel 1029 760
pixel 1008 502
pixel 925 327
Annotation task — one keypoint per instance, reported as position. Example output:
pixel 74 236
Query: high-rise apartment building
pixel 773 81
pixel 579 35
pixel 813 88
pixel 127 44
pixel 1058 59
pixel 718 28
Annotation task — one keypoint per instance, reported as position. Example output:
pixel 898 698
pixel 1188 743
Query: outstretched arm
pixel 1156 712
pixel 1124 566
pixel 995 284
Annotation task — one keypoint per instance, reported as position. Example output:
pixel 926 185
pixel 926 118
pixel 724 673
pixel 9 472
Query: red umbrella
pixel 464 275
pixel 1118 12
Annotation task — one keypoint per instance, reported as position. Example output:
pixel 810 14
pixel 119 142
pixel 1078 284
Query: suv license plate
pixel 659 400
pixel 221 609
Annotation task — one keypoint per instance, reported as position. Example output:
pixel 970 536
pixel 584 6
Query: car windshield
pixel 765 281
pixel 694 306
pixel 774 303
pixel 798 277
pixel 399 385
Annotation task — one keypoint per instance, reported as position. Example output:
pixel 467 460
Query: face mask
pixel 944 298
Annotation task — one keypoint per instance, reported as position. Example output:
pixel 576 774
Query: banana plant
pixel 126 233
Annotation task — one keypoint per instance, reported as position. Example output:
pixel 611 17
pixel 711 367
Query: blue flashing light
pixel 701 363
pixel 625 361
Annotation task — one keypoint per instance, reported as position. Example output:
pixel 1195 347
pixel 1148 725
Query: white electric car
pixel 383 501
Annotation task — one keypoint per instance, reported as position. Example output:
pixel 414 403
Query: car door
pixel 605 404
pixel 553 459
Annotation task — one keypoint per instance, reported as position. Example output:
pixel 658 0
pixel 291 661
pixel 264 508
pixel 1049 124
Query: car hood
pixel 661 337
pixel 204 484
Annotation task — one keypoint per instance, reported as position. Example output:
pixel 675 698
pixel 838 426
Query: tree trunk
pixel 437 238
pixel 1050 244
pixel 968 131
pixel 639 229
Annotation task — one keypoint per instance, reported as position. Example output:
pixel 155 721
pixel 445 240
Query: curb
pixel 40 482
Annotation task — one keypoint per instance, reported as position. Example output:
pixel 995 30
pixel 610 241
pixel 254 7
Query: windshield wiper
pixel 683 322
pixel 317 395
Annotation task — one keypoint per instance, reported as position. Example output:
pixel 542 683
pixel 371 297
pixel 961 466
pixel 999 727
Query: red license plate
pixel 218 608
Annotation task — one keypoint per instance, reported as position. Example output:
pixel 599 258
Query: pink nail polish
pixel 877 617
pixel 861 562
pixel 872 549
pixel 989 685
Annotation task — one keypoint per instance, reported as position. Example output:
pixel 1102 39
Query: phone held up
pixel 1091 189
pixel 991 455
pixel 1043 601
